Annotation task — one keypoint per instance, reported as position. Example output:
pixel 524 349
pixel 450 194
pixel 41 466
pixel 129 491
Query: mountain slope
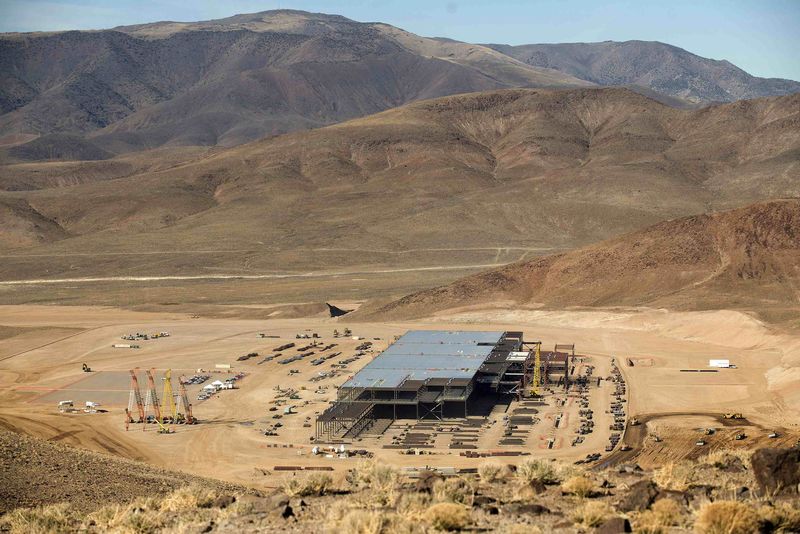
pixel 228 81
pixel 511 172
pixel 661 67
pixel 747 258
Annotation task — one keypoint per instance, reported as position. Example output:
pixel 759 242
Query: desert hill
pixel 90 94
pixel 658 66
pixel 533 169
pixel 39 472
pixel 747 258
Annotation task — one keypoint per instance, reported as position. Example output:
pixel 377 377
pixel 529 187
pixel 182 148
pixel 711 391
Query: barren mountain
pixel 658 66
pixel 512 170
pixel 224 82
pixel 747 258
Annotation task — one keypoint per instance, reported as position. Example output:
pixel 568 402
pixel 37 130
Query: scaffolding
pixel 430 375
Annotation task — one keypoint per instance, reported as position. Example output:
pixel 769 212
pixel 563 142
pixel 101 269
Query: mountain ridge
pixel 529 169
pixel 98 93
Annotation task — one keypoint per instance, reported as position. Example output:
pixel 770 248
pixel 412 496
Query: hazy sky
pixel 760 36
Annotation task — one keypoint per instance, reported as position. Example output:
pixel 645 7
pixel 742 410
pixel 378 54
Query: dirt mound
pixel 37 472
pixel 745 258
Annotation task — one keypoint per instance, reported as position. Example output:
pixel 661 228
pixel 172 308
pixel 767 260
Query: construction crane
pixel 151 399
pixel 537 369
pixel 170 412
pixel 184 401
pixel 135 398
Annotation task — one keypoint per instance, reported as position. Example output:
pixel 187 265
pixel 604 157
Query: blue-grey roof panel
pixel 423 354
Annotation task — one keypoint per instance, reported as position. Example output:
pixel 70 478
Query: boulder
pixel 223 501
pixel 639 497
pixel 614 525
pixel 777 471
pixel 482 501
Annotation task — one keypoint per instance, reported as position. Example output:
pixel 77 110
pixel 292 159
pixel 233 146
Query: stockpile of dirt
pixel 37 472
pixel 745 258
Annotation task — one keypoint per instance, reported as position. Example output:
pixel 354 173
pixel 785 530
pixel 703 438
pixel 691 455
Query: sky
pixel 760 36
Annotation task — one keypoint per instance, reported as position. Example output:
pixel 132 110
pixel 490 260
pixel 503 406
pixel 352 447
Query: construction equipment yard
pixel 275 377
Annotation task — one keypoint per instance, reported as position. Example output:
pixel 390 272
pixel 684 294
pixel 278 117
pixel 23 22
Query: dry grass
pixel 45 519
pixel 379 483
pixel 187 498
pixel 447 516
pixel 782 518
pixel 492 472
pixel 534 470
pixel 726 457
pixel 520 528
pixel 664 513
pixel 412 505
pixel 579 485
pixel 591 514
pixel 675 475
pixel 456 490
pixel 727 517
pixel 364 522
pixel 307 485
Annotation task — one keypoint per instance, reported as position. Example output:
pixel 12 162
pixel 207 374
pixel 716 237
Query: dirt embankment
pixel 37 472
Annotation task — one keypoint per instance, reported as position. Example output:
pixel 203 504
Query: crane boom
pixel 184 399
pixel 168 399
pixel 152 396
pixel 135 398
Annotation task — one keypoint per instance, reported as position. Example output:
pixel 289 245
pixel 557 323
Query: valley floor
pixel 42 349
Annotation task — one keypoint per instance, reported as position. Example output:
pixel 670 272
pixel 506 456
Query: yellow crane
pixel 170 409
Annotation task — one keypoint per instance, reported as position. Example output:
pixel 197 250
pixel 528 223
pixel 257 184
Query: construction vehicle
pixel 700 442
pixel 635 422
pixel 86 368
pixel 66 406
pixel 773 435
pixel 162 429
pixel 740 436
pixel 732 416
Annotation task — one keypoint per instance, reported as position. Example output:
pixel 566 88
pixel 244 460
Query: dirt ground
pixel 42 364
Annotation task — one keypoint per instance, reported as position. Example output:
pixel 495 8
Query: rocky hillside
pixel 36 472
pixel 531 169
pixel 746 258
pixel 89 94
pixel 726 491
pixel 661 67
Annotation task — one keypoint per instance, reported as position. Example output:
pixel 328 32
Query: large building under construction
pixel 431 374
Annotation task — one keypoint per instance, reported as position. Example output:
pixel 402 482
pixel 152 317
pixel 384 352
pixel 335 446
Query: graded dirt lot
pixel 41 364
